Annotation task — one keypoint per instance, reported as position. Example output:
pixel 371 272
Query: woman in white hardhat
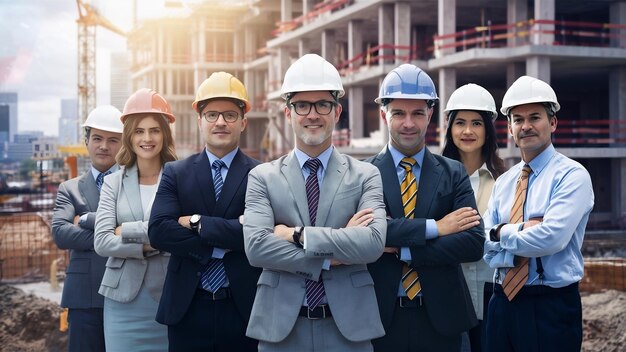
pixel 471 139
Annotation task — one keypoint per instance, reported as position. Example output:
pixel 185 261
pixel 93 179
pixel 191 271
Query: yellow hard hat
pixel 222 85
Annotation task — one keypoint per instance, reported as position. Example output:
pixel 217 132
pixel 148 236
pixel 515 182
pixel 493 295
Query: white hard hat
pixel 472 97
pixel 311 72
pixel 528 90
pixel 106 118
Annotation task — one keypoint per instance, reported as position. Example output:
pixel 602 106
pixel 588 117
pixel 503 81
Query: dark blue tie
pixel 314 289
pixel 214 275
pixel 100 179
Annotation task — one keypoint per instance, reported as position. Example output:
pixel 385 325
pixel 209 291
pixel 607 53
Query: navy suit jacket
pixel 186 188
pixel 443 187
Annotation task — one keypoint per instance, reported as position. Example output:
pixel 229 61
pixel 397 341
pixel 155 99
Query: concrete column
pixel 402 31
pixel 447 85
pixel 544 10
pixel 238 46
pixel 307 6
pixel 303 47
pixel 355 42
pixel 617 15
pixel 539 67
pixel 356 118
pixel 385 32
pixel 517 11
pixel 250 43
pixel 617 113
pixel 446 23
pixel 329 51
pixel 201 42
pixel 514 71
pixel 286 10
pixel 159 54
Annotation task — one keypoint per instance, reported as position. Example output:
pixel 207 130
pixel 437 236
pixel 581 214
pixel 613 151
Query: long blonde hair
pixel 127 157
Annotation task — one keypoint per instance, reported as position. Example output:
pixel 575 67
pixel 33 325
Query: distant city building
pixel 22 147
pixel 120 80
pixel 4 130
pixel 68 122
pixel 44 148
pixel 10 100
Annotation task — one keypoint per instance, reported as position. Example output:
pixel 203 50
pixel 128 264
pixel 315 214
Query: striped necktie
pixel 408 190
pixel 214 275
pixel 516 277
pixel 314 290
pixel 100 179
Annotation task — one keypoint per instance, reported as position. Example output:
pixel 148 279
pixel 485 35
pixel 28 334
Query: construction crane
pixel 88 20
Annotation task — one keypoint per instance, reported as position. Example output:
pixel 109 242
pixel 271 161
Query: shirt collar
pixel 397 155
pixel 95 172
pixel 324 157
pixel 227 159
pixel 541 160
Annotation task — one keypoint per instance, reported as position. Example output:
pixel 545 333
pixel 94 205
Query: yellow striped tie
pixel 408 189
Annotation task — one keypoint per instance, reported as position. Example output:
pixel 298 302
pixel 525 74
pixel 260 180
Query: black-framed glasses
pixel 229 116
pixel 322 107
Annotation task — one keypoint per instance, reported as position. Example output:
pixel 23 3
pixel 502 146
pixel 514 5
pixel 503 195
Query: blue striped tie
pixel 100 179
pixel 314 290
pixel 214 275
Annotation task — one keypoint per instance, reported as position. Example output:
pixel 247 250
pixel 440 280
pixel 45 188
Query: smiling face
pixel 221 137
pixel 468 132
pixel 408 121
pixel 531 129
pixel 314 131
pixel 102 147
pixel 147 138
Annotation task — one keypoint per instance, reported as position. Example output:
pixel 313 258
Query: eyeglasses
pixel 229 116
pixel 322 107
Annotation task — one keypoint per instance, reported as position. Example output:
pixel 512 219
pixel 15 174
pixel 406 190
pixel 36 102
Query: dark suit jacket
pixel 443 187
pixel 84 272
pixel 186 188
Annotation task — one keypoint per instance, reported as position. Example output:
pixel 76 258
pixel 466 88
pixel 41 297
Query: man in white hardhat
pixel 73 225
pixel 535 224
pixel 314 218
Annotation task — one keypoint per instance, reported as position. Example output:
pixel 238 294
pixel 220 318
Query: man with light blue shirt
pixel 432 226
pixel 73 228
pixel 535 224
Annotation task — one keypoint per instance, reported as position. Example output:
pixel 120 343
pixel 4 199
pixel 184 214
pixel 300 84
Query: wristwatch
pixel 297 236
pixel 194 222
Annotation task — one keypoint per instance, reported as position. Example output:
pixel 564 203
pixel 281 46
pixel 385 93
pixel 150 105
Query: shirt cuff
pixel 304 241
pixel 326 264
pixel 431 229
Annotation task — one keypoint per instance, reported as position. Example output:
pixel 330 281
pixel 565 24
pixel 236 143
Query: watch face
pixel 195 219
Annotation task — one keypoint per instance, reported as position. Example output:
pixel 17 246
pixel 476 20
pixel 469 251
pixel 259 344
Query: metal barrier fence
pixel 27 250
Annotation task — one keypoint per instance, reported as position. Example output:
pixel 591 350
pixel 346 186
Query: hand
pixel 362 218
pixel 184 221
pixel 241 219
pixel 458 220
pixel 76 220
pixel 335 262
pixel 532 222
pixel 147 247
pixel 118 231
pixel 393 250
pixel 284 232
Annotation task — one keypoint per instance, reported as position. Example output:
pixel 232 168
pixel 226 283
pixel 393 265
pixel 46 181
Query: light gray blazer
pixel 479 272
pixel 127 268
pixel 276 194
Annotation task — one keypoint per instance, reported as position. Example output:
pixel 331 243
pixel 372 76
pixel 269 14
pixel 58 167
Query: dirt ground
pixel 31 323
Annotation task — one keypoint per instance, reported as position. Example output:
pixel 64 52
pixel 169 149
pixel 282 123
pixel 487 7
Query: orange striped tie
pixel 516 277
pixel 408 189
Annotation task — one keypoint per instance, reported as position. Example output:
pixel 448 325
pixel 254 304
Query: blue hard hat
pixel 407 82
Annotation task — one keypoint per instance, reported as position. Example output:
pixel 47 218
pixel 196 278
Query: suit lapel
pixel 237 173
pixel 89 190
pixel 202 172
pixel 332 179
pixel 430 174
pixel 293 174
pixel 391 185
pixel 132 195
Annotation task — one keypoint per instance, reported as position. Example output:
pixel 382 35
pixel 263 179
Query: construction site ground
pixel 30 322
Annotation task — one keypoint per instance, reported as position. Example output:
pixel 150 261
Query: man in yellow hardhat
pixel 210 286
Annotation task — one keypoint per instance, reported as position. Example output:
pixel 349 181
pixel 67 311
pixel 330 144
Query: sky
pixel 38 54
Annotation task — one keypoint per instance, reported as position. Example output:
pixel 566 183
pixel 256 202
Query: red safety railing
pixel 565 33
pixel 373 56
pixel 321 8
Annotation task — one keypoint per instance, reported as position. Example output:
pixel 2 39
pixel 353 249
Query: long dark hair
pixel 489 151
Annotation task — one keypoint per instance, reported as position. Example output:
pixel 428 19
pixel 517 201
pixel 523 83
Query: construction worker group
pixel 407 250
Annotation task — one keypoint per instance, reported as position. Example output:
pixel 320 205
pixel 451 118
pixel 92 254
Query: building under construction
pixel 578 46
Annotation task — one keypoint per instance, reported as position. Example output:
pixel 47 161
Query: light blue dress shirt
pixel 560 191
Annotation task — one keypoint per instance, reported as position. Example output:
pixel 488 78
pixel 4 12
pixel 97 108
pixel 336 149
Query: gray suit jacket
pixel 78 196
pixel 276 194
pixel 127 269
